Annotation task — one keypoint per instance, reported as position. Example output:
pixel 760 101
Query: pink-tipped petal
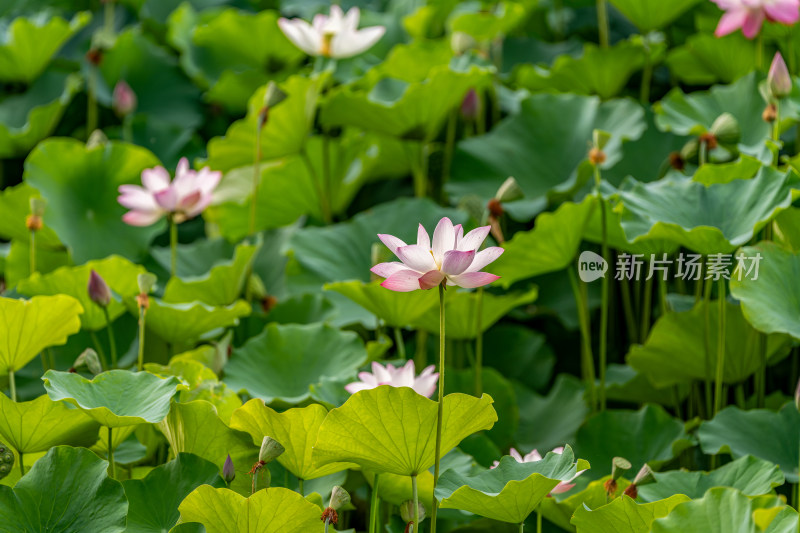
pixel 402 281
pixel 416 257
pixel 385 270
pixel 134 197
pixel 474 239
pixel 471 280
pixel 515 454
pixel 444 238
pixel 485 257
pixel 356 386
pixel 731 21
pixel 155 179
pixel 752 23
pixel 431 279
pixel 426 384
pixel 422 237
pixel 391 242
pixel 456 262
pixel 562 487
pixel 783 11
pixel 141 218
pixel 382 373
pixel 167 199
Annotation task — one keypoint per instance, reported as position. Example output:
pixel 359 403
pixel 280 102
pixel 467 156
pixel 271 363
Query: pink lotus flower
pixel 335 35
pixel 123 100
pixel 534 456
pixel 779 80
pixel 453 257
pixel 405 376
pixel 749 15
pixel 183 198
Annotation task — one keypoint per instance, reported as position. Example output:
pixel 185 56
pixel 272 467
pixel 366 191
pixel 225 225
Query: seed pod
pixel 6 460
pixel 726 130
pixel 270 450
pixel 339 498
pixel 619 465
pixel 509 191
pixel 407 511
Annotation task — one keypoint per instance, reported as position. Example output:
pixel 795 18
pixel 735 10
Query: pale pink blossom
pixel 453 256
pixel 534 456
pixel 183 198
pixel 404 376
pixel 749 15
pixel 335 35
pixel 123 99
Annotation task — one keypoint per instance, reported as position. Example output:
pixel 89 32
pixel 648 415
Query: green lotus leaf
pixel 720 510
pixel 153 501
pixel 544 160
pixel 221 286
pixel 196 428
pixel 707 220
pixel 694 114
pixel 486 25
pixel 615 232
pixel 461 311
pixel 29 117
pixel 516 350
pixel 787 225
pixel 66 491
pixel 181 323
pixel 649 435
pixel 119 273
pixel 396 309
pixel 29 44
pixel 296 429
pixel 282 361
pixel 624 515
pixel 705 59
pixel 414 111
pixel 776 519
pixel 740 433
pixel 29 326
pixel 624 384
pixel 675 349
pixel 748 474
pixel 745 168
pixel 276 510
pixel 510 492
pixel 594 496
pixel 562 412
pixel 15 203
pixel 80 187
pixel 649 15
pixel 115 398
pixel 40 424
pixel 601 71
pixel 771 302
pixel 393 430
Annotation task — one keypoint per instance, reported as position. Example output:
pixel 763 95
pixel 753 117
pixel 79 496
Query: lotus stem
pixel 776 128
pixel 374 507
pixel 647 78
pixel 718 400
pixel 300 483
pixel 108 13
pixel 91 102
pixel 326 216
pixel 140 365
pixel 647 308
pixel 33 252
pixel 441 406
pixel 602 22
pixel 587 360
pixel 479 344
pixel 415 495
pixel 326 176
pixel 256 181
pixel 421 356
pixel 398 340
pixel 702 155
pixel 12 384
pixel 449 148
pixel 796 491
pixel 111 340
pixel 21 464
pixel 101 353
pixel 111 455
pixel 173 247
pixel 707 330
pixel 627 308
pixel 538 520
pixel 127 129
pixel 603 348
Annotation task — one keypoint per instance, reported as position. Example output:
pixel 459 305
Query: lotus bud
pixel 339 498
pixel 228 471
pixel 461 42
pixel 89 359
pixel 407 511
pixel 98 289
pixel 471 105
pixel 726 130
pixel 619 465
pixel 779 81
pixel 509 191
pixel 34 221
pixel 97 138
pixel 270 450
pixel 124 100
pixel 6 460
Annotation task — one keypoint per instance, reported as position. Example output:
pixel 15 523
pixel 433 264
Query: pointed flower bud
pixel 124 100
pixel 339 498
pixel 779 80
pixel 6 460
pixel 471 105
pixel 270 450
pixel 228 471
pixel 98 289
pixel 509 191
pixel 407 511
pixel 619 465
pixel 89 359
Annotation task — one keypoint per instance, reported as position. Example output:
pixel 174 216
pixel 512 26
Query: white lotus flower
pixel 335 35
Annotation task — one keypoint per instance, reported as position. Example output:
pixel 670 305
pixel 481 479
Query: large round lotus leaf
pixel 396 309
pixel 675 349
pixel 601 71
pixel 182 323
pixel 741 433
pixel 163 94
pixel 115 398
pixel 153 501
pixel 705 59
pixel 623 515
pixel 29 326
pixel 461 311
pixel 296 429
pixel 38 425
pixel 66 491
pixel 27 118
pixel 721 510
pixel 119 273
pixel 744 168
pixel 29 43
pixel 80 186
pixel 707 220
pixel 560 511
pixel 403 110
pixel 15 204
pixel 649 15
pixel 221 285
pixel 275 510
pixel 510 492
pixel 516 350
pixel 693 114
pixel 562 412
pixel 543 159
pixel 281 362
pixel 771 303
pixel 393 429
pixel 748 474
pixel 649 435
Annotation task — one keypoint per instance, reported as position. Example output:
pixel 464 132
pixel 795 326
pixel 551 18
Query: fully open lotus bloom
pixel 404 376
pixel 183 198
pixel 534 456
pixel 453 256
pixel 749 15
pixel 335 35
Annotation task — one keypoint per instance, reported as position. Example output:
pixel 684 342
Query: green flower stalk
pixel 412 512
pixel 270 450
pixel 34 223
pixel 146 283
pixel 272 97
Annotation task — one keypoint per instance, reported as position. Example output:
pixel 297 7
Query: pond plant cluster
pixel 399 266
